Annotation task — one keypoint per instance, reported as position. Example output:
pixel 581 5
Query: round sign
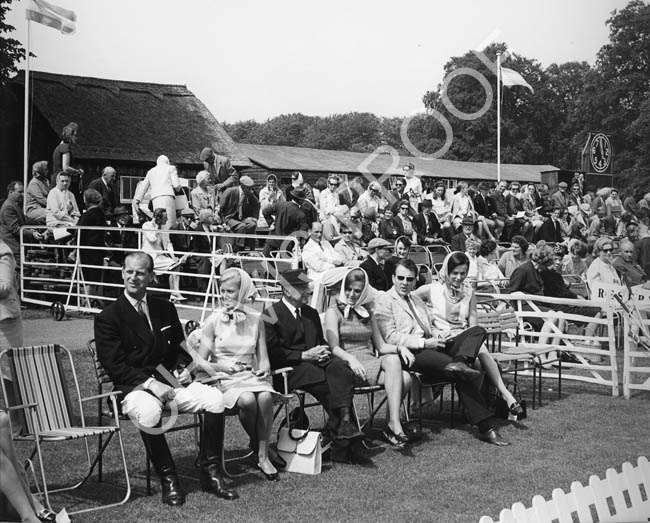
pixel 601 152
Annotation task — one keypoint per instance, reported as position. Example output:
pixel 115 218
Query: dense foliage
pixel 11 51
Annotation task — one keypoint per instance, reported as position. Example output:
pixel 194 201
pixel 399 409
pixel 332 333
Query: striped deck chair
pixel 44 403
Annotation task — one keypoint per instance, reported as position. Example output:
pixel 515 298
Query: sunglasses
pixel 607 250
pixel 409 279
pixel 346 232
pixel 404 208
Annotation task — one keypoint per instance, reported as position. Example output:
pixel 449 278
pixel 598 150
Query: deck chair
pixel 41 390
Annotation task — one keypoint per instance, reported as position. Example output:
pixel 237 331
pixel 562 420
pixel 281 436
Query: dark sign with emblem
pixel 597 155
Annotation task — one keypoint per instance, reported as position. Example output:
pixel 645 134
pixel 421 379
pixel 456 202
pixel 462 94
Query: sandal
pixel 46 515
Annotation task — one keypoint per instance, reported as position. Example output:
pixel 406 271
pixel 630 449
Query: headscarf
pixel 443 276
pixel 364 297
pixel 247 291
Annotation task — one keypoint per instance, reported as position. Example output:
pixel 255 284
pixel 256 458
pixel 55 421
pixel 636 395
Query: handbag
pixel 301 448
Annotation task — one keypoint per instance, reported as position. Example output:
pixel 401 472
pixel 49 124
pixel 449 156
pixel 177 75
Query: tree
pixel 11 51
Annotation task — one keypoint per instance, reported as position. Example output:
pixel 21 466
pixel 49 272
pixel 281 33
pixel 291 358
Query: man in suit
pixel 404 321
pixel 122 238
pixel 294 337
pixel 12 219
pixel 551 229
pixel 426 225
pixel 398 194
pixel 105 185
pixel 288 218
pixel 373 264
pixel 140 343
pixel 467 230
pixel 222 174
pixel 240 209
pixel 348 196
pixel 484 205
pixel 560 198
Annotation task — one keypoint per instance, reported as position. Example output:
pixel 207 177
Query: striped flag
pixel 510 77
pixel 52 16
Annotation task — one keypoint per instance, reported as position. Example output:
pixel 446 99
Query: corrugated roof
pixel 284 158
pixel 134 121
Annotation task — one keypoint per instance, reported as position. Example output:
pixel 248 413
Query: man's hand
pixel 183 376
pixel 162 391
pixel 406 355
pixel 317 354
pixel 434 343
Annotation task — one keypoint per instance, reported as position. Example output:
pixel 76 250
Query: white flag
pixel 510 77
pixel 52 16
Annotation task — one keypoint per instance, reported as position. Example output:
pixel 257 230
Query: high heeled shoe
pixel 46 515
pixel 274 476
pixel 516 409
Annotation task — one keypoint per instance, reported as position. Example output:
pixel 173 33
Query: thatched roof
pixel 284 158
pixel 132 121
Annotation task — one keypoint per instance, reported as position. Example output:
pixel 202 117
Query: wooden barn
pixel 123 124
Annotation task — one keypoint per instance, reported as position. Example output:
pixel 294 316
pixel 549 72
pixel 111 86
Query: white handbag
pixel 301 449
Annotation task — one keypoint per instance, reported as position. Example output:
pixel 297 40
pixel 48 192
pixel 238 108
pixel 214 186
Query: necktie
pixel 301 326
pixel 142 313
pixel 417 317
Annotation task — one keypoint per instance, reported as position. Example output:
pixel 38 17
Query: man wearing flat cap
pixel 467 230
pixel 240 209
pixel 378 250
pixel 294 337
pixel 560 198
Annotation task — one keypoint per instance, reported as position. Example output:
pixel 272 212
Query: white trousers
pixel 146 410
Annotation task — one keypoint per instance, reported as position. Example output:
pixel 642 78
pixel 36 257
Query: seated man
pixel 351 253
pixel 427 225
pixel 12 219
pixel 294 338
pixel 319 257
pixel 405 321
pixel 62 209
pixel 378 249
pixel 488 222
pixel 140 343
pixel 240 209
pixel 36 194
pixel 458 240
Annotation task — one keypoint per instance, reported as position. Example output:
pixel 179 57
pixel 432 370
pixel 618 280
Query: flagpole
pixel 26 126
pixel 498 116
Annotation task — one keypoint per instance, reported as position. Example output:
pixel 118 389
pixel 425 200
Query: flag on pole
pixel 52 16
pixel 510 77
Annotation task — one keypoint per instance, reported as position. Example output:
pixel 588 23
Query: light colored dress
pixel 449 314
pixel 155 242
pixel 235 341
pixel 355 337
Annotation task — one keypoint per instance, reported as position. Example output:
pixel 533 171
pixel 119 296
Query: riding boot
pixel 211 455
pixel 163 464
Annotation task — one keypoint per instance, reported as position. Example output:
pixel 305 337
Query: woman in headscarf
pixel 233 349
pixel 454 310
pixel 269 195
pixel 351 334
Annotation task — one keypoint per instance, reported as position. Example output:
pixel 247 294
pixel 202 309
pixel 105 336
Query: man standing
pixel 374 263
pixel 141 345
pixel 294 337
pixel 288 218
pixel 222 174
pixel 426 225
pixel 105 185
pixel 560 198
pixel 329 198
pixel 404 321
pixel 36 194
pixel 240 209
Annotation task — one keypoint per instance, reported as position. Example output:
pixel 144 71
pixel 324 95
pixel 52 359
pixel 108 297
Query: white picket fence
pixel 620 497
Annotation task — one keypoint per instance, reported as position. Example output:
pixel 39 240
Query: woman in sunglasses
pixel 601 269
pixel 454 310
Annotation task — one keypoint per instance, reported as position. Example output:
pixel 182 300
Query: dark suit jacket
pixel 555 286
pixel 125 239
pixel 286 342
pixel 181 242
pixel 391 229
pixel 109 194
pixel 376 275
pixel 484 207
pixel 423 231
pixel 288 218
pixel 11 220
pixel 131 352
pixel 458 242
pixel 93 217
pixel 549 231
pixel 230 205
pixel 526 279
pixel 344 197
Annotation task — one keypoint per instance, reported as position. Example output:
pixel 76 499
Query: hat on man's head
pixel 187 212
pixel 120 210
pixel 563 185
pixel 246 181
pixel 299 193
pixel 468 220
pixel 378 243
pixel 294 278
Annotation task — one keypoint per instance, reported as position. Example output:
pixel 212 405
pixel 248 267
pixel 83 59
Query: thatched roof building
pixel 124 124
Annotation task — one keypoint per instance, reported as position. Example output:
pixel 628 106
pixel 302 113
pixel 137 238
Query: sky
pixel 256 59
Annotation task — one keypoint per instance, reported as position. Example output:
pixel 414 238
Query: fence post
pixel 611 334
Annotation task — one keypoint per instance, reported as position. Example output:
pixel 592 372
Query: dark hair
pixel 355 276
pixel 157 213
pixel 487 246
pixel 321 183
pixel 542 254
pixel 521 241
pixel 12 186
pixel 139 254
pixel 457 259
pixel 579 248
pixel 408 264
pixel 403 202
pixel 404 240
pixel 272 177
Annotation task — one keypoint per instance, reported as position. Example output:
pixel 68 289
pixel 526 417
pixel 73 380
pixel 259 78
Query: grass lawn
pixel 450 476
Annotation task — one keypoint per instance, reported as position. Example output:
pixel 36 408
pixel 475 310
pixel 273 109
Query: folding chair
pixel 420 255
pixel 438 253
pixel 437 386
pixel 41 391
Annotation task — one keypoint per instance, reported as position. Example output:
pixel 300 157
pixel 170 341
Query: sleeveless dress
pixel 355 337
pixel 235 341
